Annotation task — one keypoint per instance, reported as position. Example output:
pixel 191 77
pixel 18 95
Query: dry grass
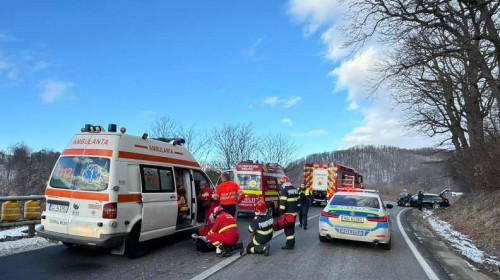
pixel 478 216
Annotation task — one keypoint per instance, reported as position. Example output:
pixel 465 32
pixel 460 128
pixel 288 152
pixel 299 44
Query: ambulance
pixel 258 181
pixel 115 190
pixel 323 179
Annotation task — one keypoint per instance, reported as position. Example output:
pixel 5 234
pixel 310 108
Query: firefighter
pixel 228 194
pixel 305 199
pixel 224 233
pixel 261 229
pixel 289 197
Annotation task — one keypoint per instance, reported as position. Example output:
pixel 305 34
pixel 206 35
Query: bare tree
pixel 164 127
pixel 197 141
pixel 277 148
pixel 233 143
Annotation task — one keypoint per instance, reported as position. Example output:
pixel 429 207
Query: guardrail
pixel 22 222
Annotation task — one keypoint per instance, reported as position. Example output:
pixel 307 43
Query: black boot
pixel 239 246
pixel 290 244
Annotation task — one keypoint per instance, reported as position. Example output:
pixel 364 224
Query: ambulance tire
pixel 134 248
pixel 72 246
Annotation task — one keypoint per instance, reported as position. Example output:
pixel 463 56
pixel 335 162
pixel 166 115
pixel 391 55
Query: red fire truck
pixel 324 179
pixel 257 181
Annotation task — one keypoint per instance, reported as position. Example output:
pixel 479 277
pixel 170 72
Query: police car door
pixel 159 211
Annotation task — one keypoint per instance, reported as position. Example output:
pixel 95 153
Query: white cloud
pixel 285 102
pixel 291 101
pixel 382 125
pixel 53 90
pixel 314 13
pixel 312 133
pixel 334 43
pixel 287 121
pixel 273 100
pixel 353 74
pixel 253 49
pixel 4 37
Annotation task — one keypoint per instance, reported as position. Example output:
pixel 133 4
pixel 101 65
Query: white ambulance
pixel 113 190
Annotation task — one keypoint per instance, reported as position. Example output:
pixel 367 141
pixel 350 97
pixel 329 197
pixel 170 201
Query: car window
pixel 355 200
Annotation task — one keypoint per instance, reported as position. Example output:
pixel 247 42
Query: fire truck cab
pixel 323 179
pixel 114 190
pixel 258 181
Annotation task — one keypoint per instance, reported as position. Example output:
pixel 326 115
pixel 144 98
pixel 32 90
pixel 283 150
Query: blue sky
pixel 275 64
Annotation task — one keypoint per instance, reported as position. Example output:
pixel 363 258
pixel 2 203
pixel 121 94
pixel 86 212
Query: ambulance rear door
pixel 159 210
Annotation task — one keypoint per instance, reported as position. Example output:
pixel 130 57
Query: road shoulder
pixel 437 252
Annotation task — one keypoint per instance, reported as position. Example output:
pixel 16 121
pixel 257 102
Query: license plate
pixel 352 219
pixel 58 208
pixel 351 232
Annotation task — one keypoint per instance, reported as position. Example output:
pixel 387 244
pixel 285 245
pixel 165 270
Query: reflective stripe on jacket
pixel 289 197
pixel 262 228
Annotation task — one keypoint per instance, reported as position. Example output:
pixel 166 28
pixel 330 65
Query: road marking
pixel 425 266
pixel 209 272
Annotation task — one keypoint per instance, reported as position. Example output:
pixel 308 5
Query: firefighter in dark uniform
pixel 289 197
pixel 262 230
pixel 305 199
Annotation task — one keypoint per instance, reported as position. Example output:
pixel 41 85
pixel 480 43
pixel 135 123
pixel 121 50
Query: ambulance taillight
pixel 110 210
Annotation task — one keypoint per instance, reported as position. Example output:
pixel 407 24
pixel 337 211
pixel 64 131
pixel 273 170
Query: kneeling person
pixel 224 233
pixel 262 230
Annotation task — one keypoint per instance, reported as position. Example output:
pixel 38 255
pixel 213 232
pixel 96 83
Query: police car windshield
pixel 81 173
pixel 249 181
pixel 355 200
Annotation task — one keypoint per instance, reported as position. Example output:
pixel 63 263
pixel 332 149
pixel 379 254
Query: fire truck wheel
pixel 133 247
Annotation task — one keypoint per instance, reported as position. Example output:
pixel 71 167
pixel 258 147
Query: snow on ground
pixel 20 245
pixel 458 240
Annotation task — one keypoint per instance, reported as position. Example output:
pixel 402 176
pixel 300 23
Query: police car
pixel 356 214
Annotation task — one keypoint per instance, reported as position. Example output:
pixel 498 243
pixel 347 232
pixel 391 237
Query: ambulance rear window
pixel 81 173
pixel 249 182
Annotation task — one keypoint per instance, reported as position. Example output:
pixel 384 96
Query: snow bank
pixel 458 240
pixel 20 245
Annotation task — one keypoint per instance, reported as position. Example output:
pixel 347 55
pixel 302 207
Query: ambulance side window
pixel 167 180
pixel 157 179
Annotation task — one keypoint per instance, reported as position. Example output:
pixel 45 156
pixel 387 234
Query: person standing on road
pixel 289 197
pixel 305 200
pixel 228 194
pixel 261 229
pixel 420 200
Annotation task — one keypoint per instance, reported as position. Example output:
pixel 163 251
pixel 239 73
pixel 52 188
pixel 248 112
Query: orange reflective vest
pixel 228 193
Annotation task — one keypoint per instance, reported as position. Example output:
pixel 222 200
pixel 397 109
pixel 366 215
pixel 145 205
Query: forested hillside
pixel 386 166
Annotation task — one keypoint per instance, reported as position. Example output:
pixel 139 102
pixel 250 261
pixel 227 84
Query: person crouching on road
pixel 262 230
pixel 305 199
pixel 289 197
pixel 228 194
pixel 224 233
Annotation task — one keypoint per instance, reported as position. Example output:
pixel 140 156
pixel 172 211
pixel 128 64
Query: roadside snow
pixel 20 245
pixel 458 240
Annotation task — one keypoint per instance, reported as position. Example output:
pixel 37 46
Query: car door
pixel 159 211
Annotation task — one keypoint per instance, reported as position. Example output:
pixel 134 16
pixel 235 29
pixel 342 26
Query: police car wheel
pixel 386 246
pixel 133 247
pixel 323 238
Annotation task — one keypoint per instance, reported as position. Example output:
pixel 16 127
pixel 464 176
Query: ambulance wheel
pixel 134 248
pixel 323 238
pixel 71 245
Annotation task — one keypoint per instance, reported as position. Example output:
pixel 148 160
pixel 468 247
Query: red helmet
pixel 284 179
pixel 217 210
pixel 260 207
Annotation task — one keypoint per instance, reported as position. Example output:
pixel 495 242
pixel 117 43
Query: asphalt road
pixel 338 259
pixel 175 257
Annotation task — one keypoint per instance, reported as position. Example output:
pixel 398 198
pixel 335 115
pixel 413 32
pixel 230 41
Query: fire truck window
pixel 249 182
pixel 167 180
